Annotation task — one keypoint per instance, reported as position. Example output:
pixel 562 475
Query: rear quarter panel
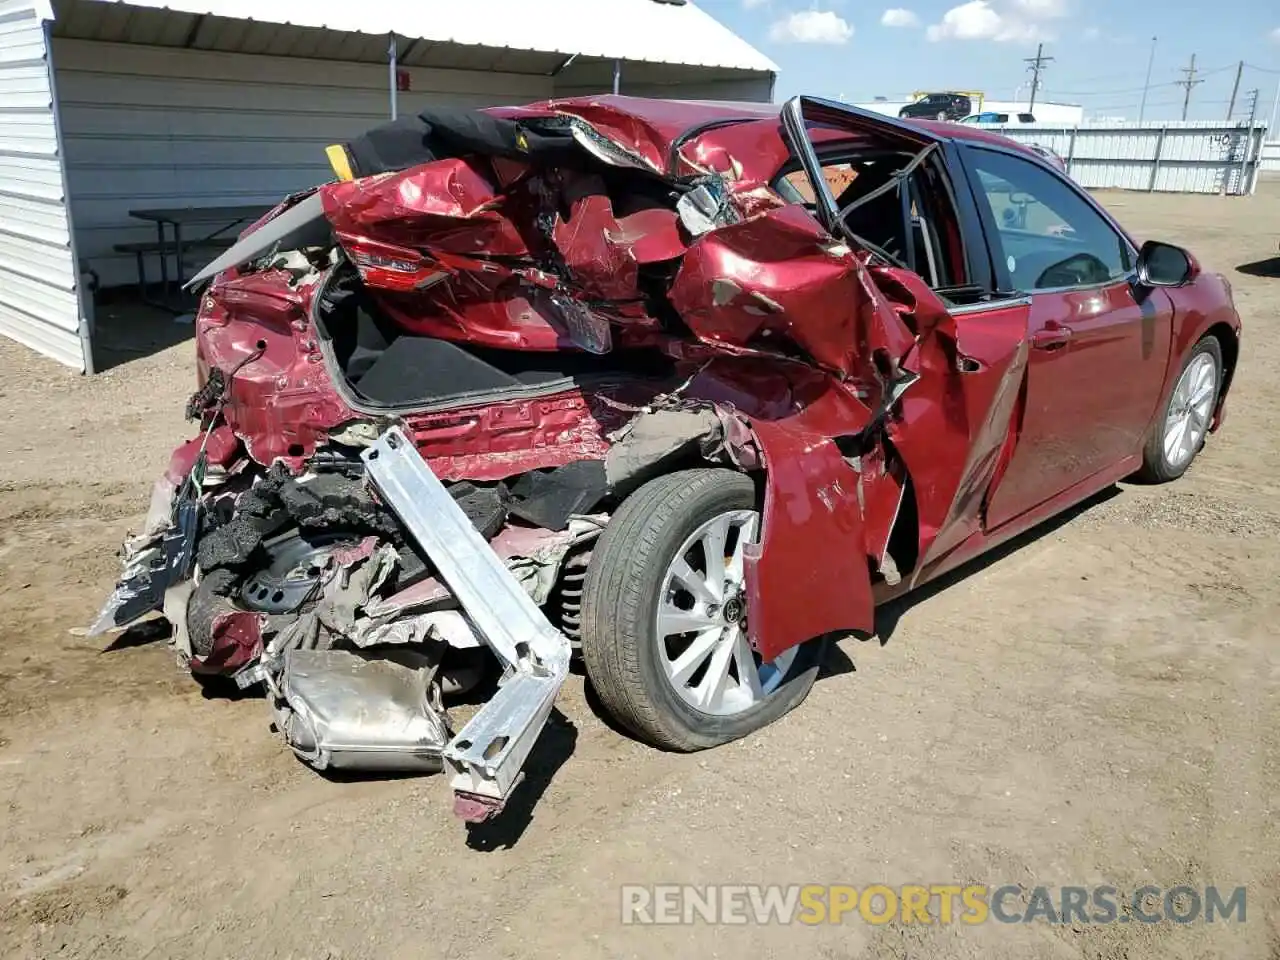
pixel 1205 305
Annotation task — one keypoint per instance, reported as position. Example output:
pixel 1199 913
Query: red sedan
pixel 688 387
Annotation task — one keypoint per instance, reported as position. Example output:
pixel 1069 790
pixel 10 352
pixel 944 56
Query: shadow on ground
pixel 554 747
pixel 1269 267
pixel 126 329
pixel 889 614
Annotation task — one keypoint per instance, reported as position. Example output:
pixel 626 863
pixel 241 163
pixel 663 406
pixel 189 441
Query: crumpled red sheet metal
pixel 955 428
pixel 808 574
pixel 451 205
pixel 649 128
pixel 237 642
pixel 801 337
pixel 283 403
pixel 779 277
pixel 603 251
pixel 508 315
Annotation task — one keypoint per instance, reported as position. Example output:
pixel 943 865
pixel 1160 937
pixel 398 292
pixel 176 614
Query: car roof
pixel 692 114
pixel 668 122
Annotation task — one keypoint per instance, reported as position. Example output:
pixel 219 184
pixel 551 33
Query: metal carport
pixel 108 106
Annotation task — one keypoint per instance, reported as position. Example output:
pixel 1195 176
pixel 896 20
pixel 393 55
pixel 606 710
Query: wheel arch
pixel 1229 343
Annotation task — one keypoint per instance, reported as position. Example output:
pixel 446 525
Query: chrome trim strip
pixel 988 305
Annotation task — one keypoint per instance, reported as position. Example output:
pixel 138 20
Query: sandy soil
pixel 1097 704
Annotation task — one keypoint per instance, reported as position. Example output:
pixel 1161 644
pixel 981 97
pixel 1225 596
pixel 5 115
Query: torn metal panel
pixel 152 565
pixel 341 710
pixel 451 204
pixel 237 643
pixel 707 207
pixel 953 426
pixel 881 487
pixel 601 267
pixel 811 499
pixel 356 575
pixel 778 279
pixel 650 441
pixel 445 626
pixel 533 555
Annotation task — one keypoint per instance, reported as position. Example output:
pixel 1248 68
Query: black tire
pixel 619 609
pixel 1156 467
pixel 209 601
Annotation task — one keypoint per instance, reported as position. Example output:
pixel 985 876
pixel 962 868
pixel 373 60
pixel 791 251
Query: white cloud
pixel 1092 33
pixel 752 4
pixel 811 26
pixel 1003 21
pixel 1042 9
pixel 897 17
pixel 1275 34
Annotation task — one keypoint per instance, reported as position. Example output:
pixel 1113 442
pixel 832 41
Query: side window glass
pixel 1050 237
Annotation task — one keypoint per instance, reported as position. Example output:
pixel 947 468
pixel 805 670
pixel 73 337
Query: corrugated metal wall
pixel 162 127
pixel 1271 156
pixel 39 305
pixel 1184 157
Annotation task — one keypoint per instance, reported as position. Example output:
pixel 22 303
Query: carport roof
pixel 520 36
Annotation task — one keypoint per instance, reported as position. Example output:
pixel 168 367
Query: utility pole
pixel 1151 62
pixel 1190 83
pixel 1036 64
pixel 1235 90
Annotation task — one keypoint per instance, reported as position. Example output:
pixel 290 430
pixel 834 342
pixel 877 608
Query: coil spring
pixel 573 575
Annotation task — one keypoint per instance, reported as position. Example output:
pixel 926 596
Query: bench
pixel 142 249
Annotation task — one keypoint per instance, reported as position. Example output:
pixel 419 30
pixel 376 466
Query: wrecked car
pixel 683 389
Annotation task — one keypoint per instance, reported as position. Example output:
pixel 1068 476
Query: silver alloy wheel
pixel 1190 410
pixel 701 622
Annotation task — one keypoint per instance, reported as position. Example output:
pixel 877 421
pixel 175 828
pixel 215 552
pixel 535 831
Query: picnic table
pixel 217 226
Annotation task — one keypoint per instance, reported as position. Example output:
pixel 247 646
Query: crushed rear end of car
pixel 425 387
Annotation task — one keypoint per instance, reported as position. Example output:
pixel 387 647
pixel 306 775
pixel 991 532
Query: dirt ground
pixel 1096 705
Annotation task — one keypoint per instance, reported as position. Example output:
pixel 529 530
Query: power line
pixel 1112 93
pixel 1155 86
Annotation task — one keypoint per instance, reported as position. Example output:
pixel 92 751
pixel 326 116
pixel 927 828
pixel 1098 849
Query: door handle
pixel 1054 336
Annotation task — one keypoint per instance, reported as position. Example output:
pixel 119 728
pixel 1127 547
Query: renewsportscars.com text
pixel 939 903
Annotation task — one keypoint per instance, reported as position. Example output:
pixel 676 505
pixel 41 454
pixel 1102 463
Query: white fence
pixel 1271 157
pixel 1182 157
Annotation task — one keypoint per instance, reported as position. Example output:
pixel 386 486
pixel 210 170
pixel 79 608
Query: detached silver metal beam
pixel 486 755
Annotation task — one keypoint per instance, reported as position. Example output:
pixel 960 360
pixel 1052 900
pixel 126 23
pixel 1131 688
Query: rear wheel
pixel 1180 432
pixel 664 631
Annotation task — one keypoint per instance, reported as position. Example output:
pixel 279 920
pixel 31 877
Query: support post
pixel 1155 166
pixel 391 74
pixel 1071 148
pixel 1250 138
pixel 617 76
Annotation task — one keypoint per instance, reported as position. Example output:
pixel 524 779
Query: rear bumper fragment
pixel 486 756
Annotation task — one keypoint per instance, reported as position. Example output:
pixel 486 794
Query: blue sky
pixel 856 50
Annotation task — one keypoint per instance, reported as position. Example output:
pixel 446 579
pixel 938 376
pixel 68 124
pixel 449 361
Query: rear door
pixel 1099 347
